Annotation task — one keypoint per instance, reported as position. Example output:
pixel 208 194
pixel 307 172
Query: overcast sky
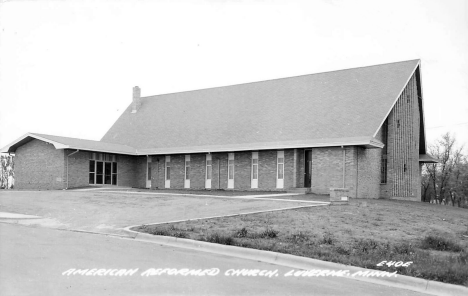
pixel 68 67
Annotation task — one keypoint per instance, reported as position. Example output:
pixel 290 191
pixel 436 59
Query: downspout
pixel 67 165
pixel 219 175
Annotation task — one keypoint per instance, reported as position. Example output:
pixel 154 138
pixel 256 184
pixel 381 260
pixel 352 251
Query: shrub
pixel 219 239
pixel 269 233
pixel 241 232
pixel 298 237
pixel 404 249
pixel 366 246
pixel 440 243
pixel 342 250
pixel 328 239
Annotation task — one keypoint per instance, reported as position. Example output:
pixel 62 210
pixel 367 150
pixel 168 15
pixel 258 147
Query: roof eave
pixel 11 148
pixel 372 143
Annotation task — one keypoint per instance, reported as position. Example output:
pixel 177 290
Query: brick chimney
pixel 136 99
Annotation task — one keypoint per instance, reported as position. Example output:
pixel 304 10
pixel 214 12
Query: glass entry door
pixel 102 172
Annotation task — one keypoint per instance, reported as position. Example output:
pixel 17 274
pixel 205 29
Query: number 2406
pixel 395 263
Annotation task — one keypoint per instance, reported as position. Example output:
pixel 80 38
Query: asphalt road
pixel 33 261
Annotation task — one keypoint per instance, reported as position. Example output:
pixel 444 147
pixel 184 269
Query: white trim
pixel 279 182
pixel 187 181
pixel 231 181
pixel 208 181
pixel 399 94
pixel 167 183
pixel 254 182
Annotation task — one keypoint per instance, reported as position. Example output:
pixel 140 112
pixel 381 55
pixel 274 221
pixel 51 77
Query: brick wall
pixel 78 168
pixel 126 170
pixel 140 171
pixel 267 169
pixel 39 165
pixel 368 172
pixel 327 169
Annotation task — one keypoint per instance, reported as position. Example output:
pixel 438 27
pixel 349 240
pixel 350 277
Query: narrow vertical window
pixel 167 172
pixel 187 169
pixel 99 172
pixel 187 172
pixel 280 169
pixel 92 171
pixel 149 171
pixel 383 162
pixel 208 169
pixel 254 181
pixel 231 168
pixel 208 166
pixel 114 173
pixel 255 169
pixel 107 172
pixel 231 171
pixel 168 168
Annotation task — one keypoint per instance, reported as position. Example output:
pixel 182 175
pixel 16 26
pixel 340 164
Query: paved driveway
pixel 109 212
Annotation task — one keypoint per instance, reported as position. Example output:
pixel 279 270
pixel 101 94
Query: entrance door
pixel 308 169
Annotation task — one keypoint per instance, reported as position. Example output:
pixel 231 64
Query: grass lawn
pixel 363 233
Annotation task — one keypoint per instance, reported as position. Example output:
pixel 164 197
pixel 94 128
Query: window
pixel 280 167
pixel 114 173
pixel 107 172
pixel 148 175
pixel 255 169
pixel 187 169
pixel 231 169
pixel 99 172
pixel 92 171
pixel 254 174
pixel 102 168
pixel 383 162
pixel 168 168
pixel 383 170
pixel 208 169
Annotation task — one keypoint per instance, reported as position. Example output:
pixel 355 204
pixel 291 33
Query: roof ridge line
pixel 275 79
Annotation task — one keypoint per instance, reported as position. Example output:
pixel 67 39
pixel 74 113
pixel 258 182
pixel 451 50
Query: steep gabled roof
pixel 336 108
pixel 70 143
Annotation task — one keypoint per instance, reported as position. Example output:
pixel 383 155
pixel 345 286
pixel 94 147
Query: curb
pixel 400 281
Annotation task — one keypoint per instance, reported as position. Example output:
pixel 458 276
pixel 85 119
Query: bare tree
pixel 7 171
pixel 446 182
